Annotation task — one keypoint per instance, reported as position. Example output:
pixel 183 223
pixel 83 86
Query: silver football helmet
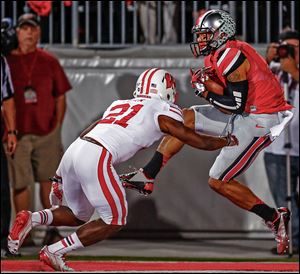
pixel 213 29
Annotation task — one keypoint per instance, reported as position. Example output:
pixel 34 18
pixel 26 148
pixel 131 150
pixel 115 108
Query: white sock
pixel 65 245
pixel 43 217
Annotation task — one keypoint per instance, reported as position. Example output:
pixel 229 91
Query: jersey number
pixel 121 110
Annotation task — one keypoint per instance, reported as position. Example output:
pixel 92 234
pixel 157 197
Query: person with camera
pixel 8 124
pixel 283 59
pixel 40 86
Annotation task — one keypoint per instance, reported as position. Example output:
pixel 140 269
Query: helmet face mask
pixel 213 29
pixel 156 83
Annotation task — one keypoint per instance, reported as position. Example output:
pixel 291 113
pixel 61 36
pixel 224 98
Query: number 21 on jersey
pixel 121 114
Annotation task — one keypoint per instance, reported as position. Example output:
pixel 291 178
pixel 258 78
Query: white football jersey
pixel 130 125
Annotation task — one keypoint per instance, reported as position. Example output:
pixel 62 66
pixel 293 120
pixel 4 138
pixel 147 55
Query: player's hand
pixel 56 194
pixel 198 79
pixel 289 65
pixel 231 140
pixel 138 181
pixel 11 144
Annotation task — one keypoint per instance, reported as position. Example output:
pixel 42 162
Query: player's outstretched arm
pixel 188 136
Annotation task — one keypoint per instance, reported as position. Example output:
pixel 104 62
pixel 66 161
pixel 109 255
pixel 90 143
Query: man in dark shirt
pixel 40 85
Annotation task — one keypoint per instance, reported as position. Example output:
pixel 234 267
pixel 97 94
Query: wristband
pixel 12 132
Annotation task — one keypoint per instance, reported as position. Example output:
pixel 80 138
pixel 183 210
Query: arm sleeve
pixel 235 95
pixel 235 98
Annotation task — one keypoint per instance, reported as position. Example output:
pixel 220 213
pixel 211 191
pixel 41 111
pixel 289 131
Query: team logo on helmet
pixel 170 81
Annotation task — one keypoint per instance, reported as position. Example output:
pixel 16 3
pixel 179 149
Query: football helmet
pixel 156 83
pixel 213 29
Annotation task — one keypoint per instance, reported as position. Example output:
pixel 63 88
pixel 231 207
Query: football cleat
pixel 19 231
pixel 55 261
pixel 138 180
pixel 280 229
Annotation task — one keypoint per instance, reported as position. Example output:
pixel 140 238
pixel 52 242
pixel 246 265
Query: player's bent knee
pixel 189 117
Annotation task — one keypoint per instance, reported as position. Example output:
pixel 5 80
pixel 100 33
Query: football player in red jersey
pixel 246 100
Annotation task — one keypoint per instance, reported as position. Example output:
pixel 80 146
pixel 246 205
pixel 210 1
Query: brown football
pixel 214 85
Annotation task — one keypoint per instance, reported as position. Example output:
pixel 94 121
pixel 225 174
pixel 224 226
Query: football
pixel 214 85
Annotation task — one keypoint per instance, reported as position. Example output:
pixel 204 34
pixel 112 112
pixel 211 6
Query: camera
pixel 9 40
pixel 284 50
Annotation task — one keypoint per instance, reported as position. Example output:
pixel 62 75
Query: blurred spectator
pixel 148 20
pixel 170 22
pixel 9 117
pixel 275 155
pixel 40 85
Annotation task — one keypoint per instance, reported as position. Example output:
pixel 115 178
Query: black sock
pixel 264 211
pixel 154 166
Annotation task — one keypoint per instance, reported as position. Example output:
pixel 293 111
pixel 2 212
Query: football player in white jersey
pixel 86 177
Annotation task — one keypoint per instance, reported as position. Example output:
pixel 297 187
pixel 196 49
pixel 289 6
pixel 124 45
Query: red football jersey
pixel 265 94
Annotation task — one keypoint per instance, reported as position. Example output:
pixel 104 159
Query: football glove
pixel 137 180
pixel 198 78
pixel 56 194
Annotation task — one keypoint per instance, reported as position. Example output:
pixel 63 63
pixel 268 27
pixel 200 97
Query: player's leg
pixel 101 190
pixel 232 162
pixel 108 197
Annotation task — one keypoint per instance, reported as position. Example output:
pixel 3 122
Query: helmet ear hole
pixel 168 97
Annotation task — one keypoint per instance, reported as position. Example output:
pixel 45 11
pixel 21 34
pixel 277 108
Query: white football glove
pixel 56 194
